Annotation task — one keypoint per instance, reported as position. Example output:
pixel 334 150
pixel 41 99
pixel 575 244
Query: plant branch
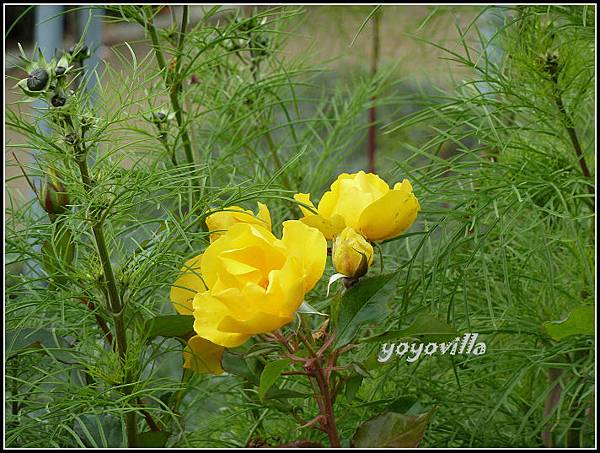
pixel 114 299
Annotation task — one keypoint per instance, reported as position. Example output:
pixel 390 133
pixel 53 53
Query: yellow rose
pixel 256 282
pixel 364 202
pixel 247 282
pixel 352 254
pixel 221 221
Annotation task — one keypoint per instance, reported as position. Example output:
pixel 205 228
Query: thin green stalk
pixel 115 303
pixel 176 86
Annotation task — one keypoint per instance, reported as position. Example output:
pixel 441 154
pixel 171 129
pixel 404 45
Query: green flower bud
pixel 54 197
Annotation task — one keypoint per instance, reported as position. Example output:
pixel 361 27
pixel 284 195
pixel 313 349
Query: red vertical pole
pixel 372 137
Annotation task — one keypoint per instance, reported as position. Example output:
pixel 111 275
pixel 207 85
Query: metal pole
pixel 48 37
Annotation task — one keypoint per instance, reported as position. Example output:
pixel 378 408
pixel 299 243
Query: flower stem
pixel 322 392
pixel 114 300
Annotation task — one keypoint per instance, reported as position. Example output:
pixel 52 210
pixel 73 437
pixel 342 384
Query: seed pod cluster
pixel 38 79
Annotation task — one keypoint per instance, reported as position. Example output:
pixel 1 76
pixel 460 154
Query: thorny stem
pixel 323 394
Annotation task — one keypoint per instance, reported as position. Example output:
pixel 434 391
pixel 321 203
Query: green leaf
pixel 392 430
pixel 170 326
pixel 579 322
pixel 234 364
pixel 425 327
pixel 365 302
pixel 153 439
pixel 270 374
pixel 407 405
pixel 275 393
pixel 352 386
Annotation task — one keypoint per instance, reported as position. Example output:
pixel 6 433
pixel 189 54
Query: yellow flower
pixel 202 356
pixel 256 282
pixel 364 202
pixel 187 285
pixel 352 254
pixel 221 221
pixel 245 283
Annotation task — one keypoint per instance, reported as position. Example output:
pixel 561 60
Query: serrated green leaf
pixel 392 430
pixel 170 326
pixel 269 375
pixel 234 364
pixel 363 303
pixel 579 322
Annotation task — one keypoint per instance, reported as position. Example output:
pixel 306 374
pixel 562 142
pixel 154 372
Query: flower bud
pixel 54 197
pixel 38 80
pixel 352 254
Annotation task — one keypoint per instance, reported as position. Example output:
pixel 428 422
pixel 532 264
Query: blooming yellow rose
pixel 352 254
pixel 221 221
pixel 364 202
pixel 256 282
pixel 245 283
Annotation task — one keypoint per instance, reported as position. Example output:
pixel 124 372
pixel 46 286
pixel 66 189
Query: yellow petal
pixel 264 215
pixel 221 221
pixel 350 194
pixel 209 311
pixel 309 246
pixel 247 253
pixel 259 323
pixel 286 291
pixel 203 356
pixel 391 215
pixel 187 285
pixel 305 198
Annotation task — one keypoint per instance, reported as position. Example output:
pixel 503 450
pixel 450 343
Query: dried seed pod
pixel 79 54
pixel 71 138
pixel 38 79
pixel 58 100
pixel 159 117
